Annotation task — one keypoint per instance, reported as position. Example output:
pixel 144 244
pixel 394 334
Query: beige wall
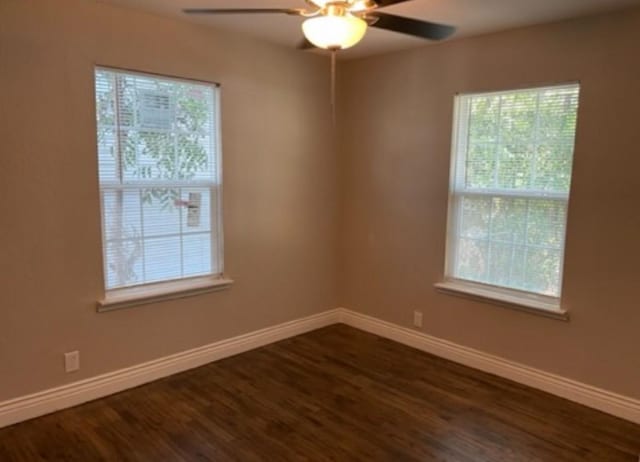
pixel 286 192
pixel 279 197
pixel 395 148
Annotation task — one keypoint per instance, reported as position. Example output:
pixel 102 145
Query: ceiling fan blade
pixel 383 3
pixel 292 11
pixel 305 45
pixel 417 28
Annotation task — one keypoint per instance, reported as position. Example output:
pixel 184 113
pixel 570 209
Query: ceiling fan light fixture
pixel 353 5
pixel 334 32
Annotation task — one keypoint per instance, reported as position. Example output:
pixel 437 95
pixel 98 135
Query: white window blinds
pixel 513 154
pixel 158 155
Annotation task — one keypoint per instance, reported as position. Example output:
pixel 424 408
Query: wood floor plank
pixel 336 394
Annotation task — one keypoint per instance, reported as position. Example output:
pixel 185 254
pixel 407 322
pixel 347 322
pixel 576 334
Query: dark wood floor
pixel 333 394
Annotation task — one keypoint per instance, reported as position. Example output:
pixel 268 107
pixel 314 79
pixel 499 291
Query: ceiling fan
pixel 339 24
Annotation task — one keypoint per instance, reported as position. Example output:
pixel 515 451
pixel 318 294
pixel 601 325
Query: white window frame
pixel 544 305
pixel 145 293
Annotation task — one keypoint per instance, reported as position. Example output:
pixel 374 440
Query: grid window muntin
pixel 139 176
pixel 504 189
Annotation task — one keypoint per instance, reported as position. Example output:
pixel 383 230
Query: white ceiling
pixel 471 17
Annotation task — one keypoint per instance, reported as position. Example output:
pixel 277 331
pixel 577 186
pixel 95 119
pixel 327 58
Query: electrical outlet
pixel 72 361
pixel 417 318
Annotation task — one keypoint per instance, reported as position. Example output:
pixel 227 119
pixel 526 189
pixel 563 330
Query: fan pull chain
pixel 333 86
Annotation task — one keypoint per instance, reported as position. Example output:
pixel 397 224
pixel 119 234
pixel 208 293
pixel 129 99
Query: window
pixel 511 175
pixel 159 171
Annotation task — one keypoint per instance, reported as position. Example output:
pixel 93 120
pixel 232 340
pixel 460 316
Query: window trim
pixel 128 297
pixel 501 296
pixel 146 293
pixel 530 302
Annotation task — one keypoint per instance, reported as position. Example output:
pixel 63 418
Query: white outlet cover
pixel 417 318
pixel 72 361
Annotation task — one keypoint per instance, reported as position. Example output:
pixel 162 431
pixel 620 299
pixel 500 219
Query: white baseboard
pixel 54 399
pixel 597 398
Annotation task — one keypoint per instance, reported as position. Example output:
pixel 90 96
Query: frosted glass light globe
pixel 331 32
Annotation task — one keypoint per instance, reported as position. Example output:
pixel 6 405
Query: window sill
pixel 152 293
pixel 541 306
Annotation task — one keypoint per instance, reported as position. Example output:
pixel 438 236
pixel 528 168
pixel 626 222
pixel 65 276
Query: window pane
pixel 157 153
pixel 121 214
pixel 515 166
pixel 500 235
pixel 193 157
pixel 509 220
pixel 518 117
pixel 474 218
pixel 511 184
pixel 500 264
pixel 483 120
pixel 129 148
pixel 108 153
pixel 520 140
pixel 162 259
pixel 545 223
pixel 481 165
pixel 124 263
pixel 543 271
pixel 553 167
pixel 161 211
pixel 472 259
pixel 197 254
